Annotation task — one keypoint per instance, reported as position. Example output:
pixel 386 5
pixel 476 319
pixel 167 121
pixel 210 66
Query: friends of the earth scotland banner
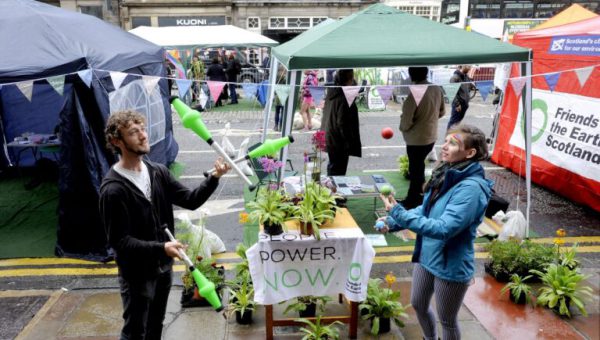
pixel 565 113
pixel 291 265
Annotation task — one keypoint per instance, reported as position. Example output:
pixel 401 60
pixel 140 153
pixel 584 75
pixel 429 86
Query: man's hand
pixel 388 201
pixel 458 108
pixel 172 248
pixel 221 168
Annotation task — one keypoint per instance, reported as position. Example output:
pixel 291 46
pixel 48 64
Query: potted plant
pixel 513 257
pixel 568 258
pixel 190 297
pixel 317 331
pixel 269 209
pixel 306 306
pixel 561 287
pixel 316 207
pixel 520 292
pixel 382 306
pixel 241 302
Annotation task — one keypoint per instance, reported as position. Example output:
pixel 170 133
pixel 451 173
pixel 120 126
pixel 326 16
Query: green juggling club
pixel 205 287
pixel 269 147
pixel 192 120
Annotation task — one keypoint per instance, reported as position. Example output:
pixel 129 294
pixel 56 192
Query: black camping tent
pixel 104 69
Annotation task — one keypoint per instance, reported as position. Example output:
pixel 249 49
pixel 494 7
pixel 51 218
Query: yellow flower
pixel 390 278
pixel 243 218
pixel 561 233
pixel 559 241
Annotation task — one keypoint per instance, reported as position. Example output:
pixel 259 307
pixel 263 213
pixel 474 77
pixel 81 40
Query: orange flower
pixel 559 241
pixel 390 278
pixel 561 233
pixel 243 218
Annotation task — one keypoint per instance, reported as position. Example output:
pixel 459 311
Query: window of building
pixel 253 23
pixel 277 22
pixel 407 9
pixel 318 20
pixel 294 22
pixel 518 9
pixel 423 11
pixel 298 22
pixel 483 9
pixel 92 10
pixel 140 21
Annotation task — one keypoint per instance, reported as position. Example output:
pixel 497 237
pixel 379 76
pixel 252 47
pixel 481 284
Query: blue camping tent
pixel 41 41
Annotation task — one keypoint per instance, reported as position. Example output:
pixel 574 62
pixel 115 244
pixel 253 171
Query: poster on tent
pixel 374 100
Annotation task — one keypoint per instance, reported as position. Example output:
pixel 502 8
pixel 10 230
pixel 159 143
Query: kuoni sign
pixel 566 131
pixel 291 265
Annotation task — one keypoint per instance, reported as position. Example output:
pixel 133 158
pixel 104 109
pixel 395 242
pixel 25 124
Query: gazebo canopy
pixel 381 36
pixel 202 36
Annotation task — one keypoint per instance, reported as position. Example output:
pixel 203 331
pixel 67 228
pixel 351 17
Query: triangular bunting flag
pixel 58 83
pixel 183 86
pixel 282 92
pixel 517 84
pixel 117 78
pixel 86 77
pixel 418 91
pixel 150 83
pixel 317 92
pixel 583 74
pixel 203 98
pixel 451 90
pixel 215 88
pixel 485 87
pixel 552 80
pixel 385 92
pixel 350 92
pixel 26 88
pixel 249 89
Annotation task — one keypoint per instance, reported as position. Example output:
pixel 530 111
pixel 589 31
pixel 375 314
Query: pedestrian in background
pixel 418 125
pixel 446 225
pixel 233 70
pixel 197 73
pixel 136 204
pixel 341 125
pixel 307 100
pixel 460 104
pixel 216 72
pixel 281 79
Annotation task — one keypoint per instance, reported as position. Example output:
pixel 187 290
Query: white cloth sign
pixel 291 265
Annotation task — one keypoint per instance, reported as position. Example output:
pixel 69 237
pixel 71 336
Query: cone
pixel 270 147
pixel 191 119
pixel 207 289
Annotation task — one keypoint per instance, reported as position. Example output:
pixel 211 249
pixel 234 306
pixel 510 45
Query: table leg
pixel 352 332
pixel 269 321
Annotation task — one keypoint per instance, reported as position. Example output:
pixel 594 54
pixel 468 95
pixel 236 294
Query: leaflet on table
pixel 376 240
pixel 351 181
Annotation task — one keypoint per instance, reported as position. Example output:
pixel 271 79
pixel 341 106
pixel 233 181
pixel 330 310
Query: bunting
pixel 350 92
pixel 86 77
pixel 249 89
pixel 517 84
pixel 26 88
pixel 583 74
pixel 418 91
pixel 485 88
pixel 150 83
pixel 317 92
pixel 451 90
pixel 57 83
pixel 203 98
pixel 282 92
pixel 385 92
pixel 552 80
pixel 215 88
pixel 179 69
pixel 117 79
pixel 183 86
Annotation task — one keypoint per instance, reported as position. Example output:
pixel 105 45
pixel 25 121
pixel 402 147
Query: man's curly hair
pixel 118 120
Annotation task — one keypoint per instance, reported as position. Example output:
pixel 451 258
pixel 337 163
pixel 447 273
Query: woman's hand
pixel 388 201
pixel 221 168
pixel 385 227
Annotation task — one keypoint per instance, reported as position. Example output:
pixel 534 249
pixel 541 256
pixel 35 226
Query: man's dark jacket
pixel 341 124
pixel 134 225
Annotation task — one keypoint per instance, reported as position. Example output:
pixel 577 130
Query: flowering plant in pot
pixel 382 306
pixel 269 209
pixel 520 292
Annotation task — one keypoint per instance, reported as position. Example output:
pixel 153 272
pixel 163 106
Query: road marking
pixel 39 316
pixel 25 293
pixel 45 261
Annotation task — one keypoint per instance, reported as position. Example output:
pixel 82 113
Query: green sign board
pixel 516 26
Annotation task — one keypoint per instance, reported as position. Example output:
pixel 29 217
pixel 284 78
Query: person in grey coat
pixel 460 104
pixel 341 126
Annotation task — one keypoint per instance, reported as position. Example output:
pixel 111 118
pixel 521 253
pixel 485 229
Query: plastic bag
pixel 243 150
pixel 513 225
pixel 226 144
pixel 204 242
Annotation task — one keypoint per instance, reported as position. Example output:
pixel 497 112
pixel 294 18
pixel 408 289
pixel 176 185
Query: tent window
pixel 133 96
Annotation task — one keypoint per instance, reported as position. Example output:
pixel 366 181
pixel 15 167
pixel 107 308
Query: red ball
pixel 387 133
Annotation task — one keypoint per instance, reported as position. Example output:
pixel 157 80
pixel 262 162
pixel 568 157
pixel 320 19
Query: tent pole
pixel 270 96
pixel 288 116
pixel 527 108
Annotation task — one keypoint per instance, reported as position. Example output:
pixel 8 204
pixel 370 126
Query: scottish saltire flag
pixel 179 69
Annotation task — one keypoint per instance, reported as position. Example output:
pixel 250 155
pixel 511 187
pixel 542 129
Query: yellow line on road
pixel 39 316
pixel 45 261
pixel 24 293
pixel 574 239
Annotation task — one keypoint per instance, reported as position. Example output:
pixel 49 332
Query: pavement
pixel 58 298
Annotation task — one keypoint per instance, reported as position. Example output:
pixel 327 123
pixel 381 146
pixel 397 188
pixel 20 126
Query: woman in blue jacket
pixel 455 200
